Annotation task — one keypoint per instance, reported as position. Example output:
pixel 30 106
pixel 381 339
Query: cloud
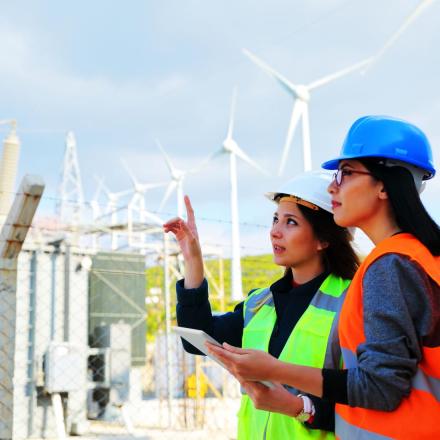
pixel 167 71
pixel 33 78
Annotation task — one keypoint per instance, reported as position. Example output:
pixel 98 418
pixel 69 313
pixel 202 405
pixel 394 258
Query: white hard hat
pixel 308 189
pixel 417 173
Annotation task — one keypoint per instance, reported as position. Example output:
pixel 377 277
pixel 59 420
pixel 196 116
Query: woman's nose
pixel 332 187
pixel 275 232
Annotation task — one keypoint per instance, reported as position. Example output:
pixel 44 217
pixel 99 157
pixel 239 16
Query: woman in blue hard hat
pixel 389 326
pixel 293 319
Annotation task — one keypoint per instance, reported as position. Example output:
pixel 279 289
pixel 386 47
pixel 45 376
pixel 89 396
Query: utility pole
pixel 8 168
pixel 12 236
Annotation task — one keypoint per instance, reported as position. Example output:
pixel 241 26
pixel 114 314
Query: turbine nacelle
pixel 178 175
pixel 230 146
pixel 176 183
pixel 302 92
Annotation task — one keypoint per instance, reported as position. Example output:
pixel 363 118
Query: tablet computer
pixel 197 338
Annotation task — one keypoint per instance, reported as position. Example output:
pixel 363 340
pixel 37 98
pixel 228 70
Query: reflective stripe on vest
pixel 313 342
pixel 346 431
pixel 421 381
pixel 416 416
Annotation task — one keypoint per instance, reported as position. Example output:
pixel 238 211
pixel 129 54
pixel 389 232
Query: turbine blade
pixel 297 111
pixel 409 19
pixel 244 157
pixel 232 114
pixel 123 193
pixel 200 166
pixel 100 181
pixel 339 74
pixel 129 172
pixel 283 81
pixel 196 169
pixel 166 157
pixel 147 186
pixel 205 162
pixel 168 192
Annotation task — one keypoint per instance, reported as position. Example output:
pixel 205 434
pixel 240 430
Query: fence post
pixel 169 348
pixel 12 236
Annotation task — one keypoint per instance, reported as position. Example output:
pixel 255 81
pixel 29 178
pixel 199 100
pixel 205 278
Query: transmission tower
pixel 71 200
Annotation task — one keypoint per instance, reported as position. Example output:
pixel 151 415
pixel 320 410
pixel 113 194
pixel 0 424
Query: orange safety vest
pixel 417 416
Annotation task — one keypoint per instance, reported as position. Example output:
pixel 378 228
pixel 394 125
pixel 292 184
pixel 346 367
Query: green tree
pixel 257 271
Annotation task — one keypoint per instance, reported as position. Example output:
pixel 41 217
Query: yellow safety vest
pixel 313 342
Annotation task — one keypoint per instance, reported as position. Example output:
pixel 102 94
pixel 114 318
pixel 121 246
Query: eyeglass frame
pixel 339 181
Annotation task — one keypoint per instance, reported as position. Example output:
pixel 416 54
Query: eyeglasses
pixel 338 177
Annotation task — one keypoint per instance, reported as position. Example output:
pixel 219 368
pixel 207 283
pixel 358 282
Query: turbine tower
pixel 231 148
pixel 136 206
pixel 71 199
pixel 112 211
pixel 96 210
pixel 301 95
pixel 94 203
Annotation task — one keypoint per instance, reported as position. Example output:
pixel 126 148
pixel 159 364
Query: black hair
pixel 339 256
pixel 410 214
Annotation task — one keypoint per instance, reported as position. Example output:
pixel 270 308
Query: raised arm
pixel 193 309
pixel 188 240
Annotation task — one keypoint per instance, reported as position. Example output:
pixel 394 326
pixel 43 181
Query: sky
pixel 122 74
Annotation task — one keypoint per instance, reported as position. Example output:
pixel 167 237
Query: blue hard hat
pixel 389 138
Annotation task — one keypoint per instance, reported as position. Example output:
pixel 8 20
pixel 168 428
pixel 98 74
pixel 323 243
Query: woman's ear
pixel 323 245
pixel 383 195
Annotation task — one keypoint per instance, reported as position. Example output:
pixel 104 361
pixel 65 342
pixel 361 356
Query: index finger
pixel 221 353
pixel 189 211
pixel 254 386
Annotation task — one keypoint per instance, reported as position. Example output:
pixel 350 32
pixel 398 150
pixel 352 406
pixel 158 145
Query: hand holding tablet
pixel 198 338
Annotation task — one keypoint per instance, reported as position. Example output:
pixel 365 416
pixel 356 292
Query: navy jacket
pixel 194 311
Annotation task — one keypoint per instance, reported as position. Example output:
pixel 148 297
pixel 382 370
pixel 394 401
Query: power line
pixel 121 208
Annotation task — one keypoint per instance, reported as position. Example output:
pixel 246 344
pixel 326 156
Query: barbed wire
pixel 121 208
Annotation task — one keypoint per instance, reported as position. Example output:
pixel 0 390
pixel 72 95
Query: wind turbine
pixel 137 205
pixel 176 184
pixel 301 95
pixel 94 203
pixel 231 148
pixel 96 209
pixel 112 210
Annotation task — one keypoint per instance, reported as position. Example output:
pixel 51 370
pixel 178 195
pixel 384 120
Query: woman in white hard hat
pixel 389 326
pixel 294 319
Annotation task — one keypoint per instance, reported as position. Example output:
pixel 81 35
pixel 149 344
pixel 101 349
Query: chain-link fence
pixel 86 346
pixel 83 365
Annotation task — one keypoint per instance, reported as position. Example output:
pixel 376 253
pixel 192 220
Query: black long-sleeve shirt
pixel 194 311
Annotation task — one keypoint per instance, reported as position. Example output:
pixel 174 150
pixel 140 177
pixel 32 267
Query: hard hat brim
pixel 334 163
pixel 308 189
